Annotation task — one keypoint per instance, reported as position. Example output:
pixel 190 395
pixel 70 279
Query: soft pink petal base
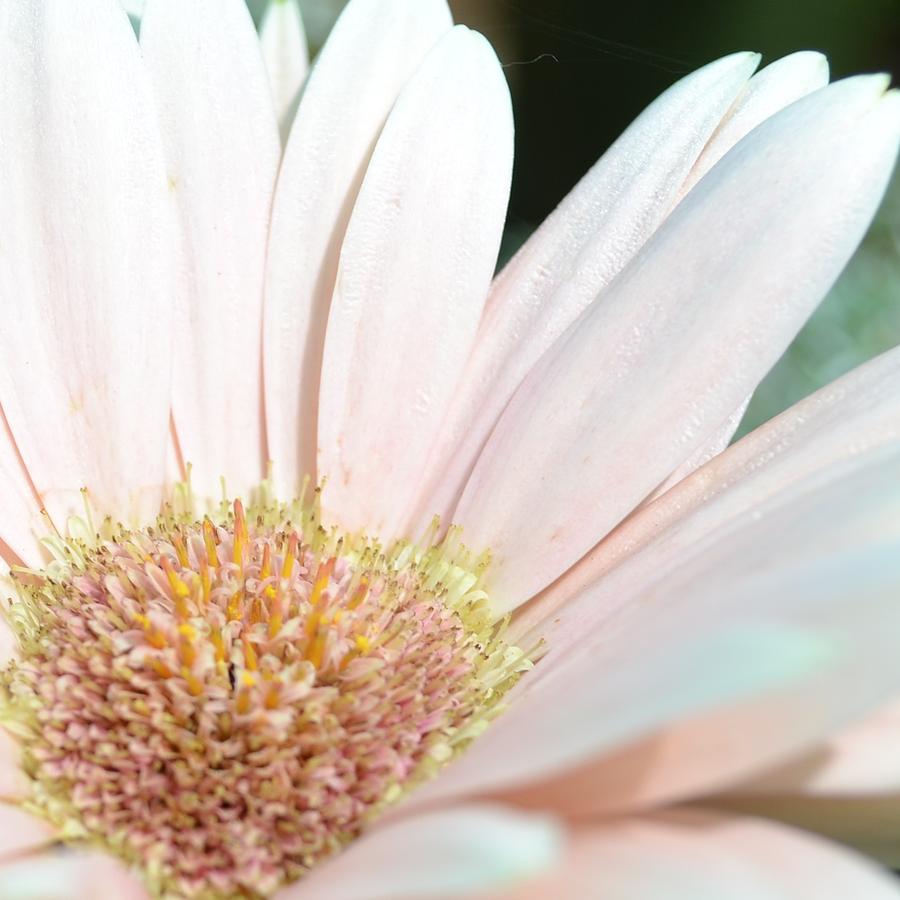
pixel 694 855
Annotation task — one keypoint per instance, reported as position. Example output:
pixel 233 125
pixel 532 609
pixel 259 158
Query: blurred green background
pixel 581 70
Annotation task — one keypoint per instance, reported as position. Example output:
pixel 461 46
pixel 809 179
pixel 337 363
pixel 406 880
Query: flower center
pixel 224 702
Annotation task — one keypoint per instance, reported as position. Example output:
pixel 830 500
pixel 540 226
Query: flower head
pixel 222 679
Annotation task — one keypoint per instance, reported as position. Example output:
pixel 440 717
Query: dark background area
pixel 581 70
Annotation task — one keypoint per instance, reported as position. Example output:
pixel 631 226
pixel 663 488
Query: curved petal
pixel 717 443
pixel 862 759
pixel 62 875
pixel 642 380
pixel 373 50
pixel 85 372
pixel 448 853
pixel 858 412
pixel 222 153
pixel 695 855
pixel 283 43
pixel 747 650
pixel 573 255
pixel 414 272
pixel 773 88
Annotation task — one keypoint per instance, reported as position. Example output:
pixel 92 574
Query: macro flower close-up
pixel 341 563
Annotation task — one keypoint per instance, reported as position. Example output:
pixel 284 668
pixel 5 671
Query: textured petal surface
pixel 679 677
pixel 374 48
pixel 86 257
pixel 776 86
pixel 283 42
pixel 443 854
pixel 572 256
pixel 856 413
pixel 69 876
pixel 703 856
pixel 643 379
pixel 222 153
pixel 414 272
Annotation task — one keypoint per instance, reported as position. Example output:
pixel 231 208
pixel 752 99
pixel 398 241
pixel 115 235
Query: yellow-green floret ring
pixel 224 700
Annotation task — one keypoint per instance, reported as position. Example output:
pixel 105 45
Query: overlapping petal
pixel 681 337
pixel 373 50
pixel 759 641
pixel 414 272
pixel 212 91
pixel 573 255
pixel 86 260
pixel 854 414
pixel 283 42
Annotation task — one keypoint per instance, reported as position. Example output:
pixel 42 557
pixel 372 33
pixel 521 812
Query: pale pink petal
pixel 443 854
pixel 283 42
pixel 85 372
pixel 222 154
pixel 21 525
pixel 13 781
pixel 715 445
pixel 698 855
pixel 374 48
pixel 869 823
pixel 574 254
pixel 856 413
pixel 643 379
pixel 21 832
pixel 64 875
pixel 750 648
pixel 414 272
pixel 862 759
pixel 778 85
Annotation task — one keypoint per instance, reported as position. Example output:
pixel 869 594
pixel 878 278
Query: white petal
pixel 86 253
pixel 779 84
pixel 222 153
pixel 283 42
pixel 694 855
pixel 776 86
pixel 374 48
pixel 858 412
pixel 574 254
pixel 714 445
pixel 644 378
pixel 414 271
pixel 442 854
pixel 679 677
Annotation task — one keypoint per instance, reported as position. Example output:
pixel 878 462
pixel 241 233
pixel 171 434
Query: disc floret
pixel 226 700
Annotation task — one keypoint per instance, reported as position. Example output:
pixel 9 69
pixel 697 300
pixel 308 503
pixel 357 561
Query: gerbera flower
pixel 295 496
